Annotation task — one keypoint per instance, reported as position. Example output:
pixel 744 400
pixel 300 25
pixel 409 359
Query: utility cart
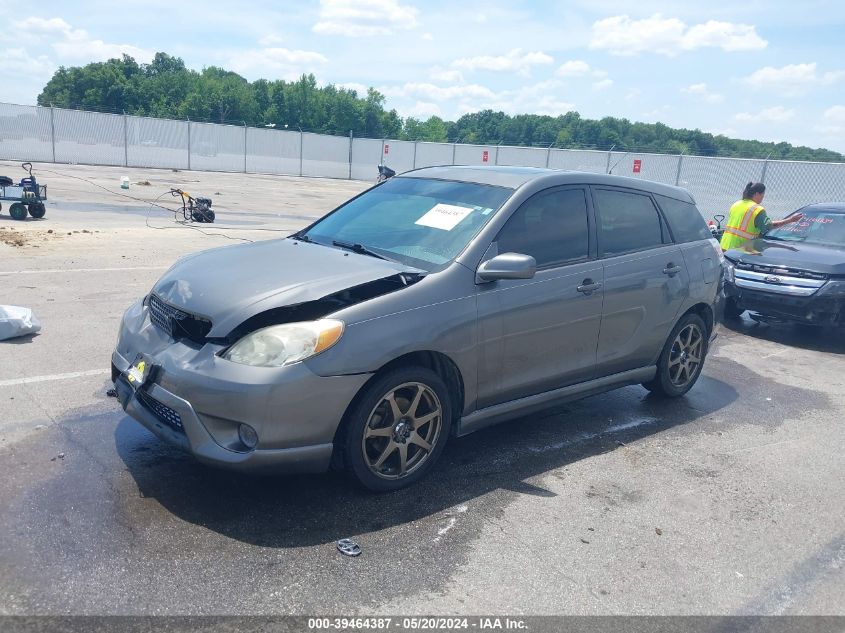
pixel 27 196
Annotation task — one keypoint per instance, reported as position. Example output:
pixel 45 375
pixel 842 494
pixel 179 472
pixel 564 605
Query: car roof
pixel 516 177
pixel 827 207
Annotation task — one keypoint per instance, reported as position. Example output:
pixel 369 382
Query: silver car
pixel 434 304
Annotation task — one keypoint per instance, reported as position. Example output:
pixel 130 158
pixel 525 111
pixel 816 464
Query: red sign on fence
pixel 485 156
pixel 638 165
pixel 386 149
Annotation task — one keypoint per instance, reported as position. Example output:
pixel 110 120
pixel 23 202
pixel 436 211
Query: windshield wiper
pixel 777 238
pixel 302 237
pixel 359 248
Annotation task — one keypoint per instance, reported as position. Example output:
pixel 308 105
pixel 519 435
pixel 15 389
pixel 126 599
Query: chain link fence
pixel 32 133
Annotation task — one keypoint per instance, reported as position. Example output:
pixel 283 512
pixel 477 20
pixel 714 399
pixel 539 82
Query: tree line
pixel 165 88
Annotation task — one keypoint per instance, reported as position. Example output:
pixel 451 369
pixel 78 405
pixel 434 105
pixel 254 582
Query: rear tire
pixel 682 358
pixel 17 211
pixel 396 431
pixel 37 210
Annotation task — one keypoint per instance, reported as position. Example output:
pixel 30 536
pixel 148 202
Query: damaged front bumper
pixel 824 307
pixel 197 401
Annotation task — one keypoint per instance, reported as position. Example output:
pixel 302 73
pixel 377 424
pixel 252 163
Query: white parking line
pixel 73 374
pixel 79 270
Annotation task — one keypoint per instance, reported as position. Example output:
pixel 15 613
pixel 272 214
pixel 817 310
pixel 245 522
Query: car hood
pixel 815 258
pixel 231 284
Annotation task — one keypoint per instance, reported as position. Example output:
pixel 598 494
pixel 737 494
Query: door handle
pixel 671 269
pixel 588 286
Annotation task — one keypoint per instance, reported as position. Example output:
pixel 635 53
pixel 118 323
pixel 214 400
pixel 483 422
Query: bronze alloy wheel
pixel 686 355
pixel 682 359
pixel 402 430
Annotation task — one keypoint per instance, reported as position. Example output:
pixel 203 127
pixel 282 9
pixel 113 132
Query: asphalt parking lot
pixel 729 501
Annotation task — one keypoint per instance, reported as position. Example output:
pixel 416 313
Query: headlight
pixel 729 272
pixel 833 289
pixel 280 345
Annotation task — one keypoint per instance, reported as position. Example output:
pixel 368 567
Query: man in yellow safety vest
pixel 748 219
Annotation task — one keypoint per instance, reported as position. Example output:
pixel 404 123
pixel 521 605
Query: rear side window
pixel 628 222
pixel 684 219
pixel 552 227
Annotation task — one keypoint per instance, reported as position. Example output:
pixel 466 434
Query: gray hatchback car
pixel 434 304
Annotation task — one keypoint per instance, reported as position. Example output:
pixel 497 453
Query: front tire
pixel 397 430
pixel 682 358
pixel 37 210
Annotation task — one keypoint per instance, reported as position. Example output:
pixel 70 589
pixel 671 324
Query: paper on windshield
pixel 444 216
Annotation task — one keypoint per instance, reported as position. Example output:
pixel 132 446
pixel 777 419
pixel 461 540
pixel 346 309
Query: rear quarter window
pixel 685 220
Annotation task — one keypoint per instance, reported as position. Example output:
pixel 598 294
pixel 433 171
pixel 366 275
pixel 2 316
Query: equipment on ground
pixel 385 172
pixel 194 209
pixel 27 195
pixel 716 227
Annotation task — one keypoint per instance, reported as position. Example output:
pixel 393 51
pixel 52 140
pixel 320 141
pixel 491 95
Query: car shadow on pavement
pixel 296 511
pixel 809 337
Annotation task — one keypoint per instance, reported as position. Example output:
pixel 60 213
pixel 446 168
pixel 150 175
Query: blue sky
pixel 772 71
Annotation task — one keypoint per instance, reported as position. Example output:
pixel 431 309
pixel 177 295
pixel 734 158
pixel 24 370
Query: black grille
pixel 753 298
pixel 161 411
pixel 178 323
pixel 780 270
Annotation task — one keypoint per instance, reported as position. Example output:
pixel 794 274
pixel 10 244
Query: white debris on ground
pixel 583 437
pixel 17 321
pixel 451 522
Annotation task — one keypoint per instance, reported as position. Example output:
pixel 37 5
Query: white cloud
pixel 777 114
pixel 701 91
pixel 449 76
pixel 793 79
pixel 427 37
pixel 514 61
pixel 573 68
pixel 620 35
pixel 430 91
pixel 423 110
pixel 36 46
pixel 364 18
pixel 539 98
pixel 833 121
pixel 275 63
pixel 725 35
pixel 72 45
pixel 835 114
pixel 18 61
pixel 579 68
pixel 271 39
pixel 632 94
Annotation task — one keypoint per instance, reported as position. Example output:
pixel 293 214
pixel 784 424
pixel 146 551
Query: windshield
pixel 817 226
pixel 419 222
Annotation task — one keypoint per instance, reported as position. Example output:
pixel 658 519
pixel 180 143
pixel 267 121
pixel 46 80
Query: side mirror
pixel 507 266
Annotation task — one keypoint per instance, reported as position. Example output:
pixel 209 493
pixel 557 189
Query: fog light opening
pixel 248 436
